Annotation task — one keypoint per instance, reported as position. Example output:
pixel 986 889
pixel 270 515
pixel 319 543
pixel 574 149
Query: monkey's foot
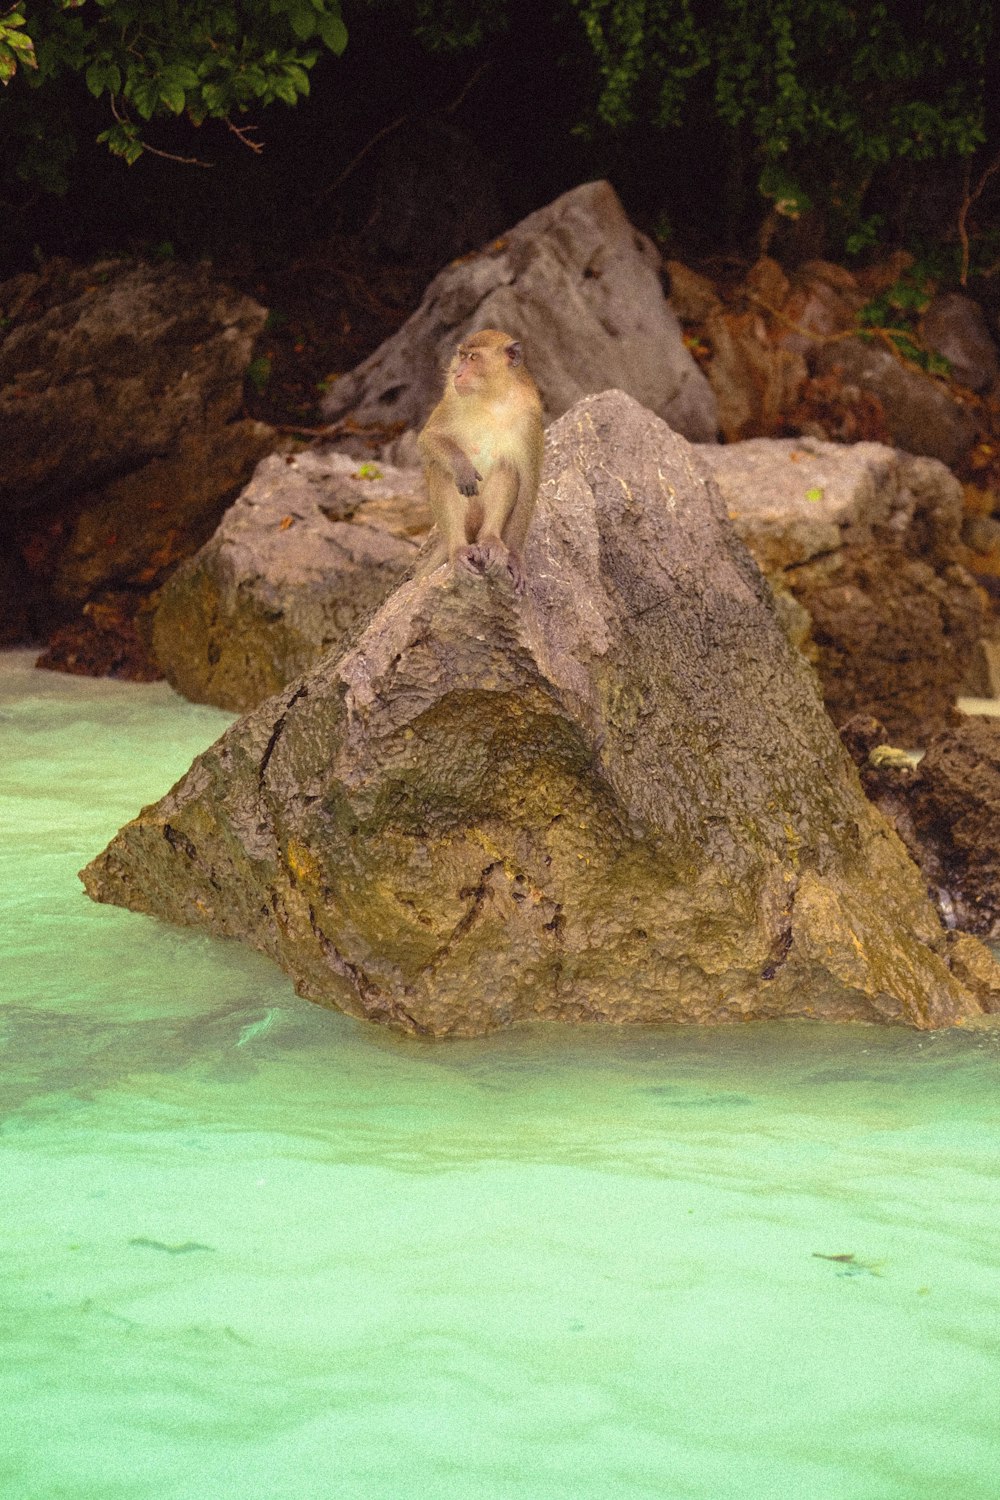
pixel 469 561
pixel 491 559
pixel 500 563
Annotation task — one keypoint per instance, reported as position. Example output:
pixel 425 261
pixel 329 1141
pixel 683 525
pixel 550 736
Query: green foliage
pixel 826 91
pixel 16 46
pixel 152 59
pixel 454 25
pixel 895 312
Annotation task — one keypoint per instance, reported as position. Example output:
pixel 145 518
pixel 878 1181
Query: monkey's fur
pixel 482 452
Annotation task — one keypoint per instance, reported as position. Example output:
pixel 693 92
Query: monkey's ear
pixel 514 353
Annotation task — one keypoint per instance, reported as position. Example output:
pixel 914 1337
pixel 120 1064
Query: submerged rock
pixel 615 798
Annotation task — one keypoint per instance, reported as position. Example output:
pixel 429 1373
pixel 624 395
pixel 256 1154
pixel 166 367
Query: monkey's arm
pixel 442 452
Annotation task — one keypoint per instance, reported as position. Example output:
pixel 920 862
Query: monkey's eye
pixel 471 357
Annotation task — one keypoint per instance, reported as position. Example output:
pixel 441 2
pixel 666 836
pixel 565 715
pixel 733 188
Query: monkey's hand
pixel 467 478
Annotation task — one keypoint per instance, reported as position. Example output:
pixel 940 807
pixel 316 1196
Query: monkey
pixel 482 453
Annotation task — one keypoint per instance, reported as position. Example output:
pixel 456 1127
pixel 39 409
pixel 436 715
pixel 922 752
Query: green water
pixel 252 1249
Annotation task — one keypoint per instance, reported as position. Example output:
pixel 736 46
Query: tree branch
pixel 378 136
pixel 969 197
pixel 242 133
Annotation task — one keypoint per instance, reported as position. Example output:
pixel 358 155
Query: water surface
pixel 256 1250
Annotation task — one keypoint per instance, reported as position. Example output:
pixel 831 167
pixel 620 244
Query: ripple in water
pixel 254 1249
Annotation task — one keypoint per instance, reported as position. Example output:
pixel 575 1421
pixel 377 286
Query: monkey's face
pixel 482 364
pixel 469 371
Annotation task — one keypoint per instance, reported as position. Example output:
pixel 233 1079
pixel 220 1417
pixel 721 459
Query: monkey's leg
pixel 499 496
pixel 516 530
pixel 449 511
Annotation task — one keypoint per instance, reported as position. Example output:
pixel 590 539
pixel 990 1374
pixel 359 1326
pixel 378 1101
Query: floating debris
pixel 185 1249
pixel 852 1266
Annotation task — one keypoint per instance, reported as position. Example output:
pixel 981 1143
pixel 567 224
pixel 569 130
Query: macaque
pixel 482 453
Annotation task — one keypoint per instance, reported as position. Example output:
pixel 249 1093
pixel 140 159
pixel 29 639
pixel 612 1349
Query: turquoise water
pixel 253 1249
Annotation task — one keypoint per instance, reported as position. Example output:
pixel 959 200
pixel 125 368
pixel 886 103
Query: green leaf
pixel 299 77
pixel 814 494
pixel 284 89
pixel 303 19
pixel 214 98
pixel 333 33
pixel 173 98
pixel 144 94
pixel 123 140
pixel 103 74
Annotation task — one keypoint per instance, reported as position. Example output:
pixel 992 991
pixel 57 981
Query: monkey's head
pixel 484 361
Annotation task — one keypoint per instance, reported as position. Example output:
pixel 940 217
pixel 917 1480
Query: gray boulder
pixel 955 327
pixel 313 544
pixel 921 413
pixel 581 286
pixel 866 540
pixel 616 798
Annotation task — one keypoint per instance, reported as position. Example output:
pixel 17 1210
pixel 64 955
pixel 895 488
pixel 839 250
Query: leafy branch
pixel 157 59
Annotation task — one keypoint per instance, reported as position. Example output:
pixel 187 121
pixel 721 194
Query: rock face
pixel 867 541
pixel 947 812
pixel 616 798
pixel 780 358
pixel 121 387
pixel 314 543
pixel 921 413
pixel 581 286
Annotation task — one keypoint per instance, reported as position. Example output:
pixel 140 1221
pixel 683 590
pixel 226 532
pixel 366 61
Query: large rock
pixel 314 543
pixel 121 388
pixel 955 327
pixel 106 367
pixel 867 540
pixel 617 798
pixel 581 286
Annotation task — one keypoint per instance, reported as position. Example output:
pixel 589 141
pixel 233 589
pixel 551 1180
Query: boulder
pixel 106 367
pixel 617 797
pixel 867 540
pixel 921 411
pixel 581 286
pixel 955 326
pixel 313 544
pixel 121 388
